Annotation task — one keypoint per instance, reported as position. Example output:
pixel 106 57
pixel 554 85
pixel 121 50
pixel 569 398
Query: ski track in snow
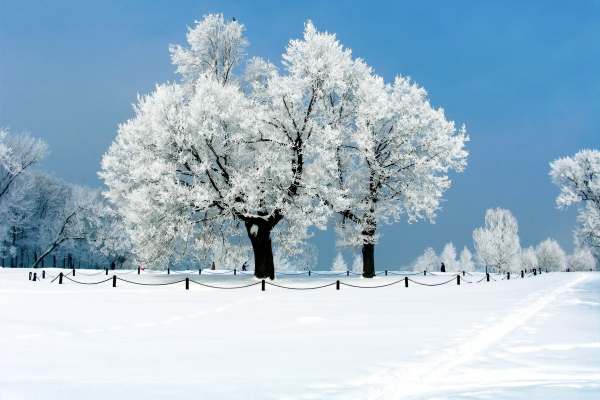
pixel 411 381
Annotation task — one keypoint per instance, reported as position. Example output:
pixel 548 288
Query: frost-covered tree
pixel 466 260
pixel 578 178
pixel 551 256
pixel 582 259
pixel 393 162
pixel 69 223
pixel 18 153
pixel 357 264
pixel 529 259
pixel 497 242
pixel 339 264
pixel 448 257
pixel 428 261
pixel 210 155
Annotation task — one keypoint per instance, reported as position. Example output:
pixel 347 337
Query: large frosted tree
pixel 497 242
pixel 215 153
pixel 393 162
pixel 578 178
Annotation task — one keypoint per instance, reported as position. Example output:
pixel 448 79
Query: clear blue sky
pixel 523 76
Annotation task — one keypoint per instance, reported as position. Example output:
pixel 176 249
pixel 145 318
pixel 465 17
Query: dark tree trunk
pixel 259 233
pixel 368 256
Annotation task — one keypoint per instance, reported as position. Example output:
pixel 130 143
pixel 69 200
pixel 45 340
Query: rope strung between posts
pixel 372 287
pixel 86 283
pixel 56 277
pixel 433 284
pixel 149 284
pixel 224 287
pixel 300 288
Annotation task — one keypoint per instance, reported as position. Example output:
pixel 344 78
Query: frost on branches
pixel 529 259
pixel 582 259
pixel 578 179
pixel 214 154
pixel 428 261
pixel 497 242
pixel 393 160
pixel 551 256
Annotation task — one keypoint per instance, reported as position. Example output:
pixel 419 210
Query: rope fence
pixel 409 277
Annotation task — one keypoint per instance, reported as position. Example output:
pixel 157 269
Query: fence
pixel 409 277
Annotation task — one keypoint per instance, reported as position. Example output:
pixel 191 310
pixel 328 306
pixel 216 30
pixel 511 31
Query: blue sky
pixel 523 76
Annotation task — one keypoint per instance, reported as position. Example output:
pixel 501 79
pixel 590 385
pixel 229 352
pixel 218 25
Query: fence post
pixel 114 281
pixel 43 274
pixel 187 283
pixel 522 274
pixel 406 281
pixel 30 275
pixel 458 279
pixel 73 271
pixel 199 271
pixel 168 271
pixel 425 273
pixel 337 284
pixel 508 275
pixel 35 276
pixel 540 270
pixel 138 270
pixel 347 273
pixel 309 272
pixel 386 272
pixel 60 276
pixel 234 271
pixel 105 271
pixel 487 276
pixel 534 272
pixel 262 285
pixel 463 273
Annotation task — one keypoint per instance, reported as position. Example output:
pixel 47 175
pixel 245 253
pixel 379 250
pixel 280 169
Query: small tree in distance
pixel 497 242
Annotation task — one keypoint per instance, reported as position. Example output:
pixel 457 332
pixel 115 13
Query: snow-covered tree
pixel 428 261
pixel 529 259
pixel 448 257
pixel 216 154
pixel 357 263
pixel 551 256
pixel 339 264
pixel 393 162
pixel 497 242
pixel 71 222
pixel 18 153
pixel 582 259
pixel 578 178
pixel 466 260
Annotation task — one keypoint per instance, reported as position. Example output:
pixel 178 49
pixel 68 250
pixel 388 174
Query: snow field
pixel 504 339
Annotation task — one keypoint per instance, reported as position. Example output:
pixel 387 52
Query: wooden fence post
pixel 187 283
pixel 487 276
pixel 43 274
pixel 458 279
pixel 114 281
pixel 425 273
pixel 386 272
pixel 73 271
pixel 406 281
pixel 508 275
pixel 30 275
pixel 234 271
pixel 60 276
pixel 347 273
pixel 337 284
pixel 522 274
pixel 138 270
pixel 262 285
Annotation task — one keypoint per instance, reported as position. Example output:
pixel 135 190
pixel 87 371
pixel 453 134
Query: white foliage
pixel 529 259
pixel 339 264
pixel 428 261
pixel 551 256
pixel 357 264
pixel 578 178
pixel 448 257
pixel 497 242
pixel 466 260
pixel 582 259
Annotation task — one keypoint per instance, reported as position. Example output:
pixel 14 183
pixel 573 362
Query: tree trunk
pixel 259 233
pixel 368 256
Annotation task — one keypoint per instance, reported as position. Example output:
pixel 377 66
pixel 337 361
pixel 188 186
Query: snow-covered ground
pixel 535 338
